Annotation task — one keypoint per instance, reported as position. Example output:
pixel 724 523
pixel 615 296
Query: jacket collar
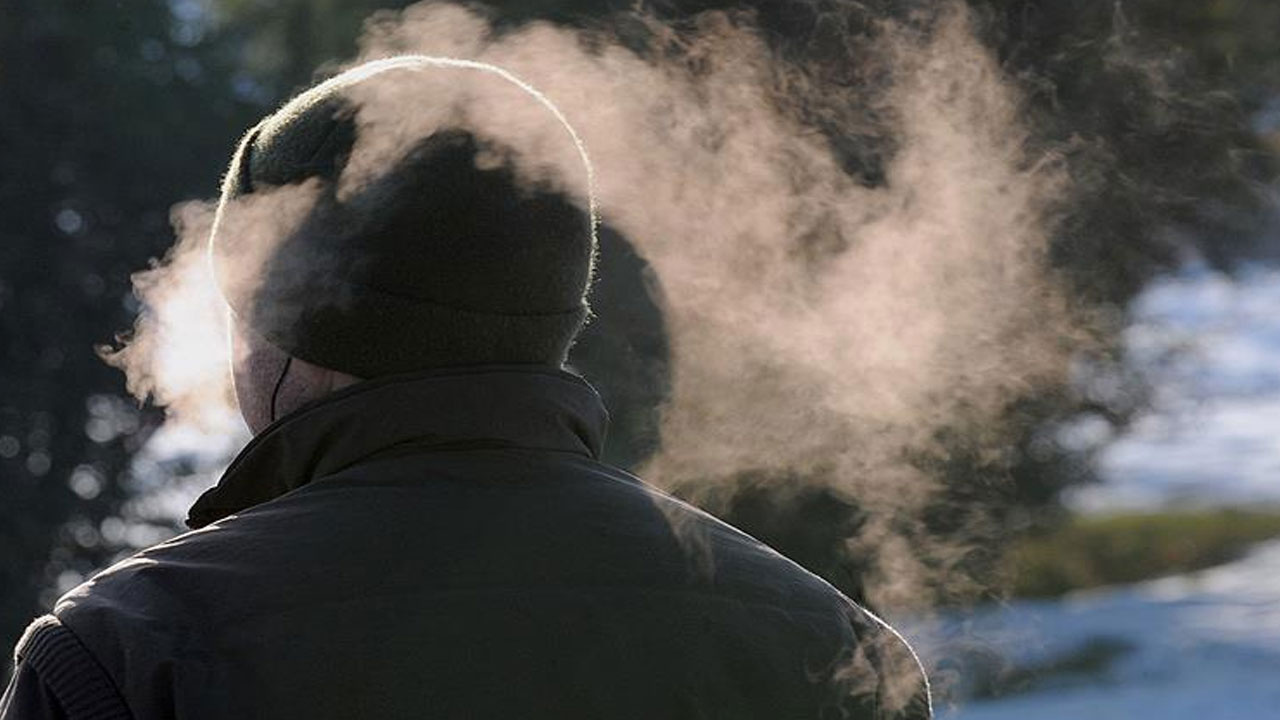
pixel 501 406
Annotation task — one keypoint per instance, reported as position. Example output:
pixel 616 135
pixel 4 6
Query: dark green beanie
pixel 435 262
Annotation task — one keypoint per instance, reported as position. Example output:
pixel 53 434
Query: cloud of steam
pixel 819 328
pixel 178 352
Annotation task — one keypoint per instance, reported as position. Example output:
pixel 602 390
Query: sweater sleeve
pixel 56 678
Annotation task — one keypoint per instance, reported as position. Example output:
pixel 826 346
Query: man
pixel 421 525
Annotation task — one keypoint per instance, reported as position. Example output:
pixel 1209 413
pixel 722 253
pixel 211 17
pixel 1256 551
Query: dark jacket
pixel 449 545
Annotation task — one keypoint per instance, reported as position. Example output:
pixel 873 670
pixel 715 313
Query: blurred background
pixel 1130 554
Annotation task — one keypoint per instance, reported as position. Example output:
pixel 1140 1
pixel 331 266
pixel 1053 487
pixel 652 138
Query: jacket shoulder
pixel 878 671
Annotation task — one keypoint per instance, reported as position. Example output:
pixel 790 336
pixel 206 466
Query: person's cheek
pixel 250 362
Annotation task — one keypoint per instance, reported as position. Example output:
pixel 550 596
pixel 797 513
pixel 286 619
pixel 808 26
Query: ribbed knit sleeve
pixel 56 677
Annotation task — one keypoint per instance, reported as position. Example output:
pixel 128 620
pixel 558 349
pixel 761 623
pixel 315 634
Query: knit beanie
pixel 446 256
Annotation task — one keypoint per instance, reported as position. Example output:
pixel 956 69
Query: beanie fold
pixel 385 333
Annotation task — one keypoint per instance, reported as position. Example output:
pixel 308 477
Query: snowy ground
pixel 1199 647
pixel 1210 345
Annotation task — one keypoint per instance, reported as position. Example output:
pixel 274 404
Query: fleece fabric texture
pixel 449 545
pixel 431 262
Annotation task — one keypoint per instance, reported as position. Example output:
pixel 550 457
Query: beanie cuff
pixel 380 333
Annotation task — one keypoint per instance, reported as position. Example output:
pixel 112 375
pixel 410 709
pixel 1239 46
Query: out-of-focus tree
pixel 110 112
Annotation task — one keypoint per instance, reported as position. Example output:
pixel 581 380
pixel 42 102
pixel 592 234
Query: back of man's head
pixel 431 261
